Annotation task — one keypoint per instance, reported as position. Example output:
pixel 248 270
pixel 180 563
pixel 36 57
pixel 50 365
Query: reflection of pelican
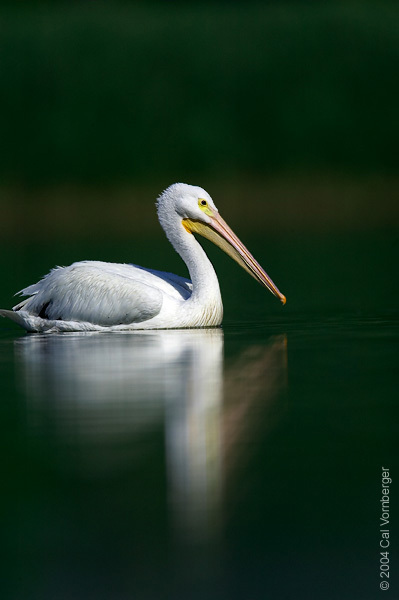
pixel 105 395
pixel 251 387
pixel 101 385
pixel 101 398
pixel 92 295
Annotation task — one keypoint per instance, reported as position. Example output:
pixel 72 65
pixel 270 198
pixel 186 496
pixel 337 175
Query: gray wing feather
pixel 99 293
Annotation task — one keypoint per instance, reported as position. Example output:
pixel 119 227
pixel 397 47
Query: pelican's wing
pixel 95 292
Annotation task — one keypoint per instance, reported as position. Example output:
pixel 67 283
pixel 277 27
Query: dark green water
pixel 239 463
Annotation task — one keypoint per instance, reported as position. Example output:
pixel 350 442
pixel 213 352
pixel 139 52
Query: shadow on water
pixel 107 407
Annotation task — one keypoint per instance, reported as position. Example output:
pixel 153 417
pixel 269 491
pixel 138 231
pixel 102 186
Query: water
pixel 242 462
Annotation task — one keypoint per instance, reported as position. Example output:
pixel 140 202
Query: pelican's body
pixel 93 295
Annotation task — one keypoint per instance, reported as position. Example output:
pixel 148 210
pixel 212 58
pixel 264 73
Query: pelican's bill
pixel 220 234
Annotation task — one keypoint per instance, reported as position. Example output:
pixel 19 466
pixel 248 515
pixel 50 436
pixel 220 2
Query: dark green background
pixel 92 91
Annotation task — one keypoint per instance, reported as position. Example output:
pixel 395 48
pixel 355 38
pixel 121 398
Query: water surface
pixel 242 462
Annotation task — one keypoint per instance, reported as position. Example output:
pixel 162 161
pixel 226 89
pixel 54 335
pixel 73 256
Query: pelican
pixel 101 296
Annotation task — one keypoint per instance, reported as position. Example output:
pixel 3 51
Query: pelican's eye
pixel 204 206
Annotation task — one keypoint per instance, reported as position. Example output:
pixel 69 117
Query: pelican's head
pixel 197 213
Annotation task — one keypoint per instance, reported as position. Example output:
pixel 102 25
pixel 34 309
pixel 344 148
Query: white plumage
pixel 94 295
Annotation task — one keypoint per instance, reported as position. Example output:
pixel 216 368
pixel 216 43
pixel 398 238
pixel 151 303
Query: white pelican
pixel 101 296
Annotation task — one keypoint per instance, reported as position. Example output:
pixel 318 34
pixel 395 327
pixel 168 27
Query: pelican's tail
pixel 35 324
pixel 7 313
pixel 17 317
pixel 31 323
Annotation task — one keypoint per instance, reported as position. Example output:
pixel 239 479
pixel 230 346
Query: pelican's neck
pixel 202 274
pixel 203 277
